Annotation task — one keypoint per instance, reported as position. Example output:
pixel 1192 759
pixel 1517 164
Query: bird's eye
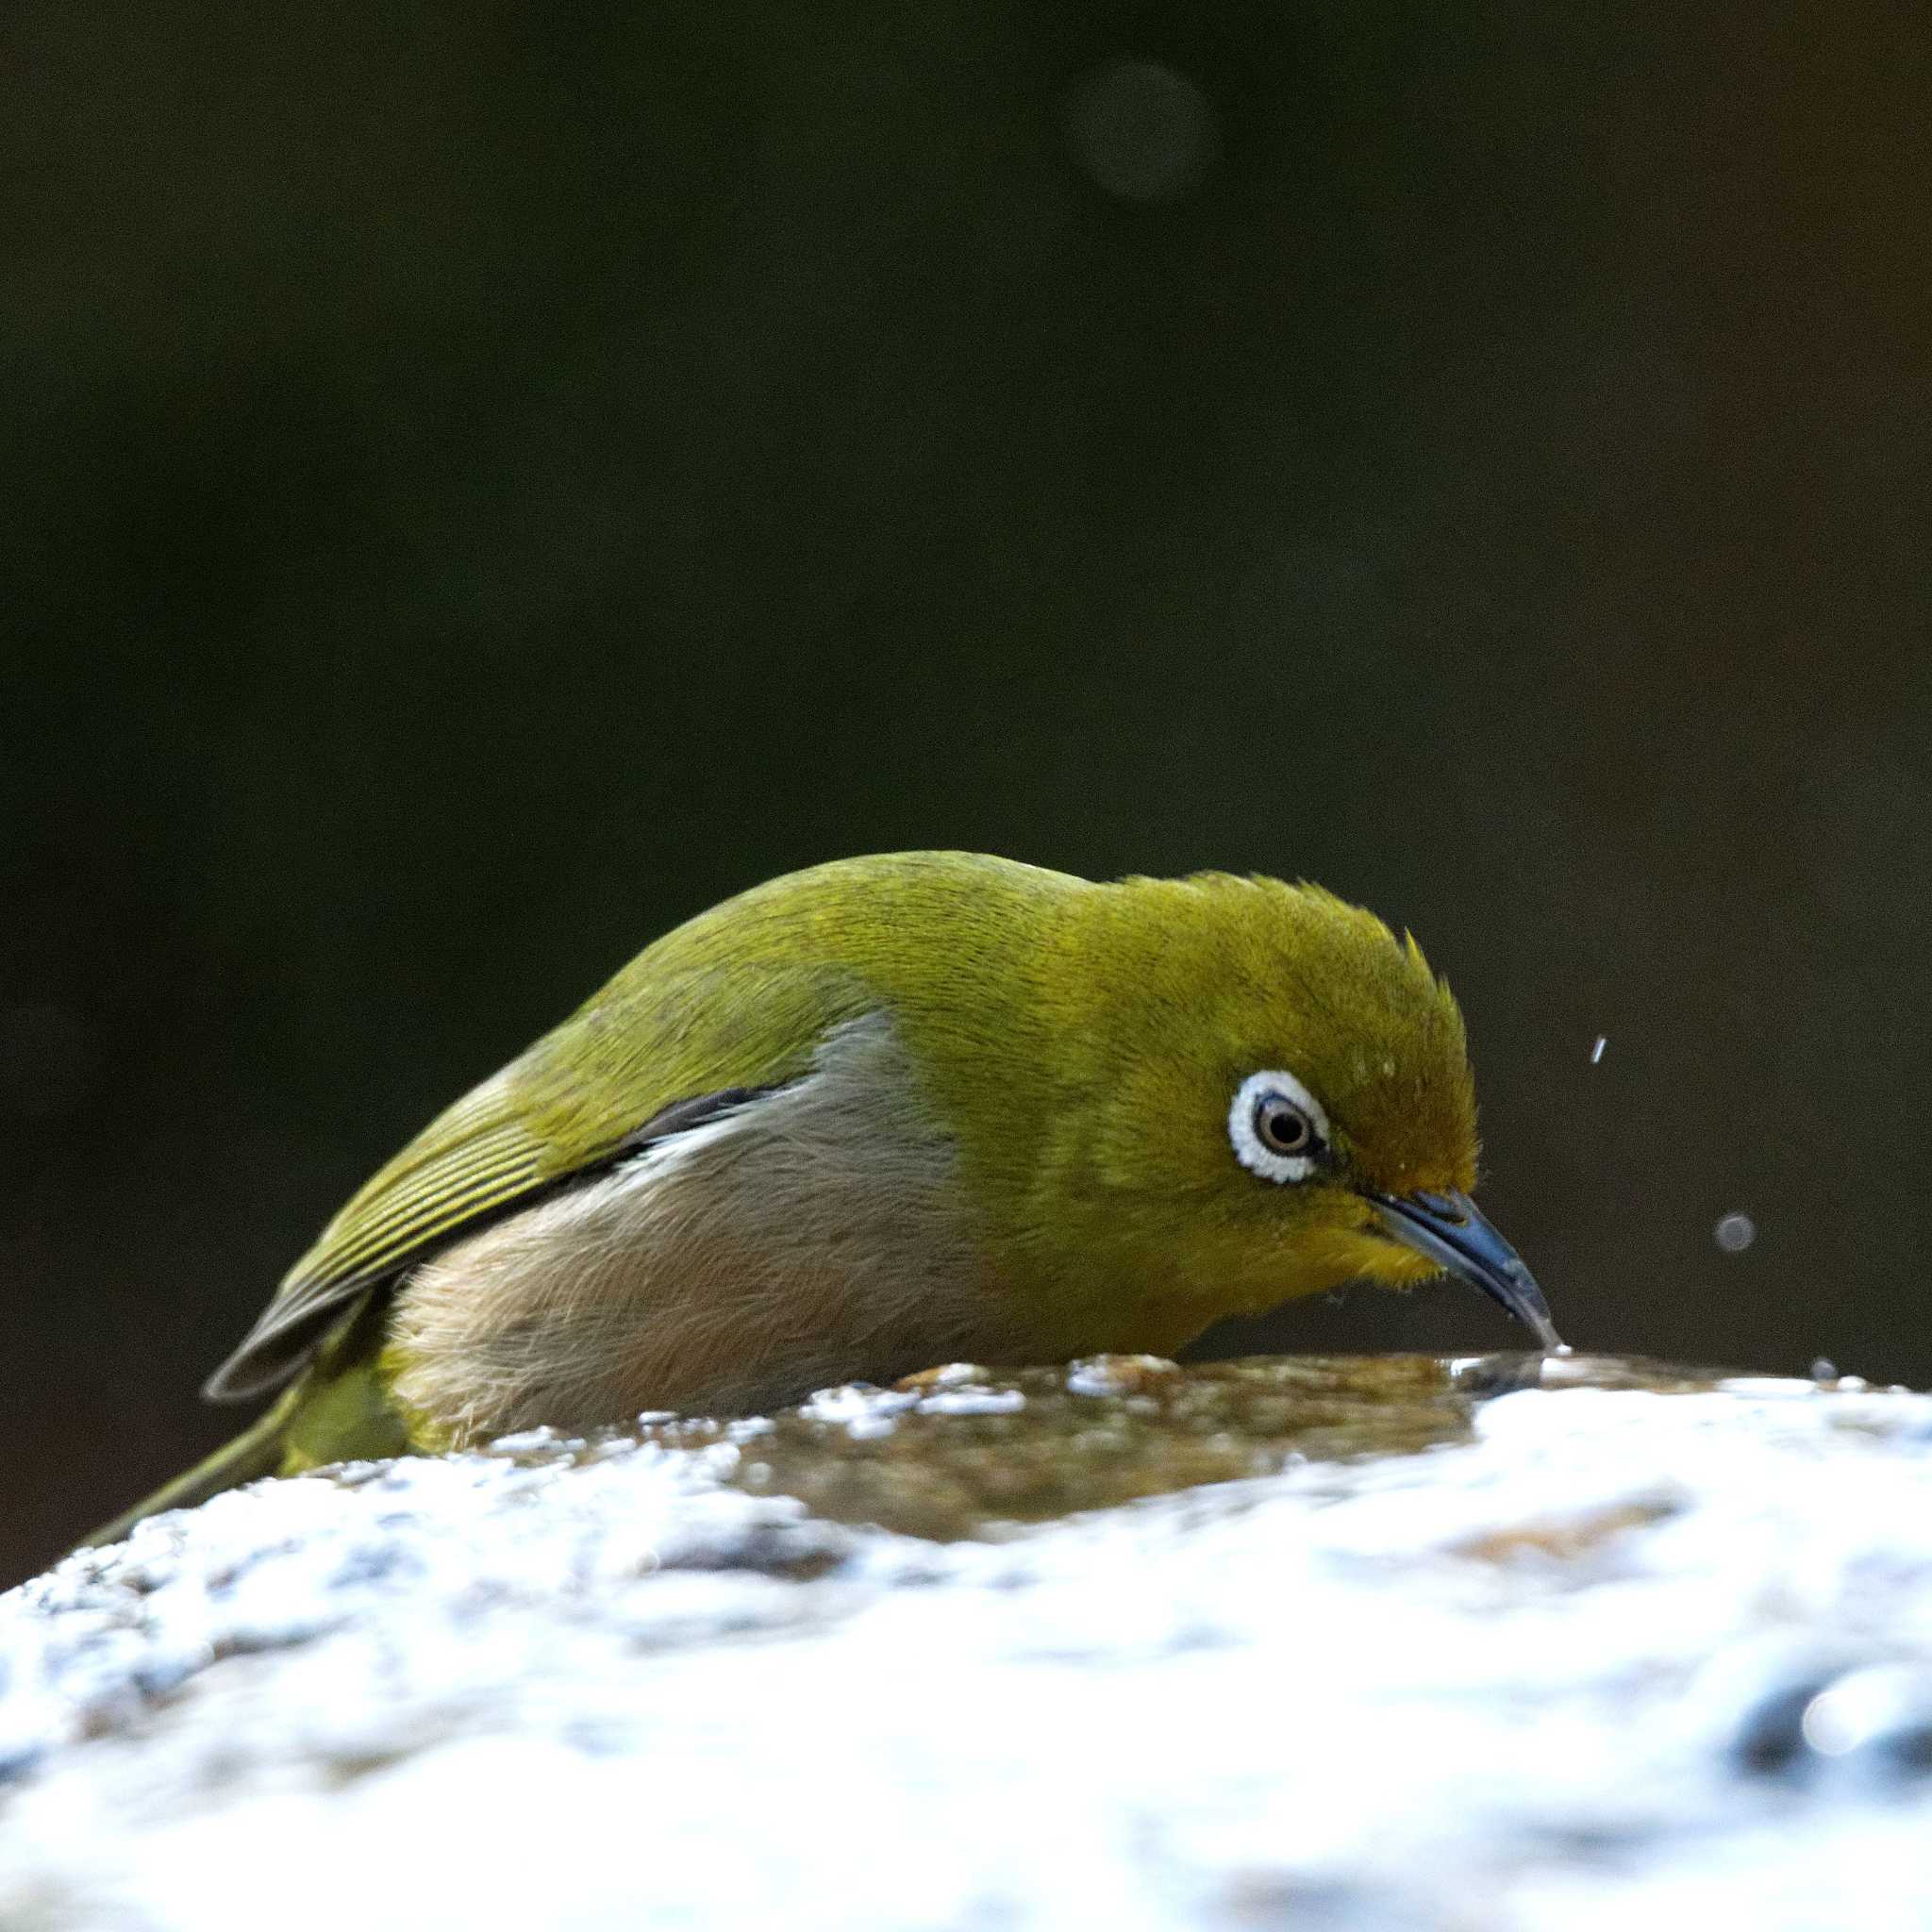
pixel 1277 1127
pixel 1281 1127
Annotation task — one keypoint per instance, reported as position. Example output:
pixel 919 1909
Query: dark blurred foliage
pixel 483 482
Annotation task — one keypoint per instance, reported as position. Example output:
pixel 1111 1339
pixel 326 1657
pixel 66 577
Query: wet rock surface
pixel 1384 1642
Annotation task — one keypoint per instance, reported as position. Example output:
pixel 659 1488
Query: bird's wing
pixel 610 1080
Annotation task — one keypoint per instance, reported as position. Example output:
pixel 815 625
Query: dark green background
pixel 483 482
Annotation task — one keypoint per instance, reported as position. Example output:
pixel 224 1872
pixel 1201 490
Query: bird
pixel 881 1114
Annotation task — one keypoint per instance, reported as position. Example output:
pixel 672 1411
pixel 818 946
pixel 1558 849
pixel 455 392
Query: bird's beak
pixel 1451 1231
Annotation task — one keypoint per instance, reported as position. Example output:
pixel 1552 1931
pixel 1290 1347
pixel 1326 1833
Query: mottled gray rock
pixel 1334 1644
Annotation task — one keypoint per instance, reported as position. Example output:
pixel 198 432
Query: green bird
pixel 881 1114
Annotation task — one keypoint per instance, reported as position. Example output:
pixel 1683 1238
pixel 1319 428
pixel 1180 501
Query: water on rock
pixel 1388 1643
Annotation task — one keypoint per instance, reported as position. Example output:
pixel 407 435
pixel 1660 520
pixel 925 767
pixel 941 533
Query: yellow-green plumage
pixel 1012 1084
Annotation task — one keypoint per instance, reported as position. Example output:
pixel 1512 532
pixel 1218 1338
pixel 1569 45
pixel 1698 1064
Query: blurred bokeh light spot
pixel 49 1062
pixel 1871 1709
pixel 1141 131
pixel 1736 1232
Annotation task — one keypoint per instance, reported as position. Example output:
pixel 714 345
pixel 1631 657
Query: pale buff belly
pixel 812 1236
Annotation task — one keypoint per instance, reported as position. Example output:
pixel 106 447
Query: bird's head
pixel 1274 1097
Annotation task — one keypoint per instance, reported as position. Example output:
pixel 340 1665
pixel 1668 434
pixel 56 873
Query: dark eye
pixel 1277 1127
pixel 1282 1127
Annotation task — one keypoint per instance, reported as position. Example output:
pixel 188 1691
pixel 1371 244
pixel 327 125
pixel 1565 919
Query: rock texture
pixel 1394 1643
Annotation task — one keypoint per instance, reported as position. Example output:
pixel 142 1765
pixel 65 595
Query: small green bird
pixel 881 1114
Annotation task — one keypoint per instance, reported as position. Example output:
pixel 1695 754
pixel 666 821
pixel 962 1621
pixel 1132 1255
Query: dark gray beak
pixel 1451 1231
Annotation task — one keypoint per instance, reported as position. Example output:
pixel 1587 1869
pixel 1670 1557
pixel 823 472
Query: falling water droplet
pixel 1141 131
pixel 1736 1232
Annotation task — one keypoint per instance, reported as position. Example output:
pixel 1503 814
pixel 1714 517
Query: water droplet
pixel 1596 1053
pixel 1141 131
pixel 1736 1232
pixel 1882 1710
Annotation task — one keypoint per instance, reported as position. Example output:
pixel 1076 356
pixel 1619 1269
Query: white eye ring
pixel 1250 1149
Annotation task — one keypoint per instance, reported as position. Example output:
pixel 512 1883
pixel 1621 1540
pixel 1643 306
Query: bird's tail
pixel 256 1452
